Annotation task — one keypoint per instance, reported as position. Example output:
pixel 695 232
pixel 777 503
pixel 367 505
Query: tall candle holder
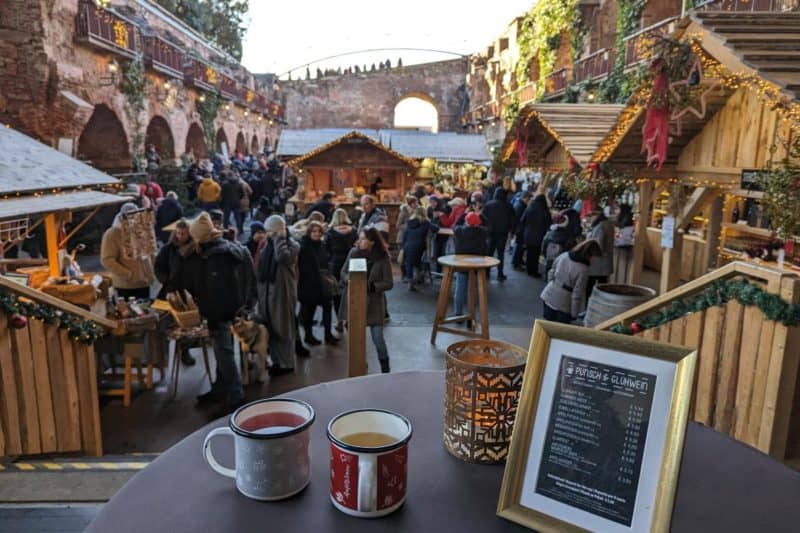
pixel 483 381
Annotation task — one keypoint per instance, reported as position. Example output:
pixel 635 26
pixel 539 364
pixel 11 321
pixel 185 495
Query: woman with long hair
pixel 372 247
pixel 339 240
pixel 313 284
pixel 415 238
pixel 564 296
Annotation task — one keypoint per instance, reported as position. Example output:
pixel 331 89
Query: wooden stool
pixel 178 342
pixel 475 266
pixel 132 350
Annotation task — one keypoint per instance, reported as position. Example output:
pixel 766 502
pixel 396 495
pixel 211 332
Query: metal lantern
pixel 484 379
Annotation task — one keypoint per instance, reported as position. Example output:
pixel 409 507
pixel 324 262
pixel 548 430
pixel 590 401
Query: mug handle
pixel 209 455
pixel 367 483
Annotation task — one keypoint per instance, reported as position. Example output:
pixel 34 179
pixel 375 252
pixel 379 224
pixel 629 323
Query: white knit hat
pixel 275 224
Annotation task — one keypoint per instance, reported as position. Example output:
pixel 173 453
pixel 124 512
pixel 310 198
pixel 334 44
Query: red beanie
pixel 473 219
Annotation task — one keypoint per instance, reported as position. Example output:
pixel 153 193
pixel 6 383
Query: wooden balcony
pixel 200 75
pixel 163 56
pixel 637 44
pixel 228 88
pixel 748 5
pixel 556 82
pixel 107 30
pixel 593 67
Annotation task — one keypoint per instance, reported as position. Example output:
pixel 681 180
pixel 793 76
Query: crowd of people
pixel 282 274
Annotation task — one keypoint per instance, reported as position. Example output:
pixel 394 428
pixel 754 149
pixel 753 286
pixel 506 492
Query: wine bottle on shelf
pixel 735 214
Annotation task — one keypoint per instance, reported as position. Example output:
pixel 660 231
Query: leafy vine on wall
pixel 134 87
pixel 208 109
pixel 619 85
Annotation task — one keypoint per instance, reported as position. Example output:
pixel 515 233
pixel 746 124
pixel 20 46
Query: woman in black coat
pixel 168 212
pixel 415 240
pixel 536 221
pixel 312 288
pixel 339 240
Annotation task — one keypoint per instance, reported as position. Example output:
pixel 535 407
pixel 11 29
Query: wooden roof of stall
pixel 53 203
pixel 759 44
pixel 578 129
pixel 354 150
pixel 28 166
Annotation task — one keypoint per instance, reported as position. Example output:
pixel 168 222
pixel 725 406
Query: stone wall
pixel 50 87
pixel 367 100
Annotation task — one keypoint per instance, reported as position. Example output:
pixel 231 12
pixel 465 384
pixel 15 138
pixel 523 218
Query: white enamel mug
pixel 271 443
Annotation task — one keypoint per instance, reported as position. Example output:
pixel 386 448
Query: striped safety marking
pixel 71 466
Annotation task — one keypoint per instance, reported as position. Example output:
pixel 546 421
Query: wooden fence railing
pixel 48 385
pixel 746 383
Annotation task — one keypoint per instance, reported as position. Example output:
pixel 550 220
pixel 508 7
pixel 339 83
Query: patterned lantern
pixel 484 378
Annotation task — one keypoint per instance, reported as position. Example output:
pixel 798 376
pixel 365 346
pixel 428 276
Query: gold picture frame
pixel 672 401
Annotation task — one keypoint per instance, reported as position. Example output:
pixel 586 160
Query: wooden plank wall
pixel 736 138
pixel 48 392
pixel 747 373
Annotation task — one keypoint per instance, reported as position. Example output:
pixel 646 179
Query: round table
pixel 724 485
pixel 476 267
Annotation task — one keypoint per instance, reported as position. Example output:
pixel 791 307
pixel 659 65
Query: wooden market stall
pixel 348 166
pixel 746 114
pixel 48 376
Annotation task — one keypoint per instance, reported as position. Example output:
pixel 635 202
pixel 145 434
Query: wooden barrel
pixel 609 300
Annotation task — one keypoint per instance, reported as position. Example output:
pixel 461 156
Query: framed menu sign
pixel 599 432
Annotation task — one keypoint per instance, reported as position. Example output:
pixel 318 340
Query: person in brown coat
pixel 130 276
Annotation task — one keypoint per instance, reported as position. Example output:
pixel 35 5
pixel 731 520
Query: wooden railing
pixel 228 88
pixel 48 384
pixel 163 56
pixel 637 44
pixel 556 82
pixel 593 66
pixel 200 75
pixel 357 318
pixel 747 5
pixel 747 373
pixel 104 29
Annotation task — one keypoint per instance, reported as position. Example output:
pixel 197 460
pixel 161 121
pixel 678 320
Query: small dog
pixel 253 339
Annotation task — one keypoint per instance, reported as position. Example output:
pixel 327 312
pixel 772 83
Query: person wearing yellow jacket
pixel 208 193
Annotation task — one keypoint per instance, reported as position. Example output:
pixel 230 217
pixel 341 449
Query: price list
pixel 595 438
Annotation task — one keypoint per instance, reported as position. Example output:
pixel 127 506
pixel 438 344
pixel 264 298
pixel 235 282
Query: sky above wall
pixel 286 34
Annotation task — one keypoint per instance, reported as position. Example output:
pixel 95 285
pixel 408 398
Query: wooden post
pixel 713 232
pixel 357 318
pixel 51 233
pixel 640 235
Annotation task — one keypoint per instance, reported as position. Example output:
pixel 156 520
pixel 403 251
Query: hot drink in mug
pixel 369 461
pixel 271 442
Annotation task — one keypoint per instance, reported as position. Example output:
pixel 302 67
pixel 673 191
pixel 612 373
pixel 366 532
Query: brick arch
pixel 159 134
pixel 196 141
pixel 221 138
pixel 425 97
pixel 254 144
pixel 241 143
pixel 103 142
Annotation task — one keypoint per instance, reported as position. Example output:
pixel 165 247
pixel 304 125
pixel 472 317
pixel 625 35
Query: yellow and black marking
pixel 118 463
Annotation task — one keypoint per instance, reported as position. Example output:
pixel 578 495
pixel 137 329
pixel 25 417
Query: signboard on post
pixel 599 432
pixel 667 232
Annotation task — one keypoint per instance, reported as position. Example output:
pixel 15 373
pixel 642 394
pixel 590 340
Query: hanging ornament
pixel 694 79
pixel 17 321
pixel 655 132
pixel 635 327
pixel 521 145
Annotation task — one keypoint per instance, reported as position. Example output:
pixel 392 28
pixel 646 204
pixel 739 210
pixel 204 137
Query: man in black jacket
pixel 232 194
pixel 500 215
pixel 221 279
pixel 324 206
pixel 470 239
pixel 536 221
pixel 519 238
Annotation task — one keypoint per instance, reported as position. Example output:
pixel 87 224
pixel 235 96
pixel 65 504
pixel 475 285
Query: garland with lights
pixel 19 311
pixel 134 87
pixel 207 108
pixel 602 183
pixel 718 294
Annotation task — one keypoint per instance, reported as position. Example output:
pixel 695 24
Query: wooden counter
pixel 693 254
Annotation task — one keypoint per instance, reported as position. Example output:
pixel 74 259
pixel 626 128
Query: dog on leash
pixel 253 338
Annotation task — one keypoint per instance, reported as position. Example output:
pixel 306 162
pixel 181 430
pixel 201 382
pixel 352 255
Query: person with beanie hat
pixel 559 238
pixel 277 293
pixel 471 239
pixel 130 276
pixel 220 278
pixel 257 234
pixel 502 222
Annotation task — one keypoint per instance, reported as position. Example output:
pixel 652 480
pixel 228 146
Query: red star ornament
pixel 695 77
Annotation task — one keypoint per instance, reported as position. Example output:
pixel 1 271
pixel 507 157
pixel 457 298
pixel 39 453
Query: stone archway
pixel 267 145
pixel 416 110
pixel 159 134
pixel 254 144
pixel 196 142
pixel 241 144
pixel 222 138
pixel 103 142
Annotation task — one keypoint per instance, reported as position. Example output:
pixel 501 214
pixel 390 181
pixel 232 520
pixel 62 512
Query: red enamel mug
pixel 369 461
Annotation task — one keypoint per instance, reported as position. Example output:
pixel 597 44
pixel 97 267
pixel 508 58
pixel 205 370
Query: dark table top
pixel 724 485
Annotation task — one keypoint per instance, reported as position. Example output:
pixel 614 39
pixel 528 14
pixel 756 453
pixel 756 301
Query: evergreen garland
pixel 717 294
pixel 208 109
pixel 84 331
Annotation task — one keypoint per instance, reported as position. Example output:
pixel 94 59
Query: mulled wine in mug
pixel 271 443
pixel 369 461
